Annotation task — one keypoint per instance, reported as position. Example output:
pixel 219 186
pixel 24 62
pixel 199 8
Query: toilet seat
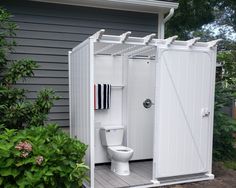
pixel 122 149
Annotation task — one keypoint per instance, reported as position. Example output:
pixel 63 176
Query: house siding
pixel 48 31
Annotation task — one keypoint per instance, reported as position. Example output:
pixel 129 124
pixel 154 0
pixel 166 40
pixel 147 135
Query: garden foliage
pixel 31 154
pixel 224 125
pixel 41 157
pixel 15 110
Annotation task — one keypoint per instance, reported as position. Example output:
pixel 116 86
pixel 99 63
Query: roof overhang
pixel 148 6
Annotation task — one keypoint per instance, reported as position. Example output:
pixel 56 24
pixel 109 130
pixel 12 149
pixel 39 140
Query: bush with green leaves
pixel 41 157
pixel 224 125
pixel 31 154
pixel 15 110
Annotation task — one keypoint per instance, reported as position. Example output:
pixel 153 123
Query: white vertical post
pixel 161 26
pixel 91 105
pixel 211 119
pixel 125 66
pixel 156 117
pixel 70 109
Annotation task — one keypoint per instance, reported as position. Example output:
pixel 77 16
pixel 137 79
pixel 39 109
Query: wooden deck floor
pixel 141 174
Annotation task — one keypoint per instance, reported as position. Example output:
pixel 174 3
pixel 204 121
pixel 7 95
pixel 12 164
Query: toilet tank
pixel 112 135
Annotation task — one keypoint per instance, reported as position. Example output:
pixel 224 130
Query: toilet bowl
pixel 120 156
pixel 112 138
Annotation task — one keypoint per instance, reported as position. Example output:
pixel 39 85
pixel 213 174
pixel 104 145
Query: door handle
pixel 148 103
pixel 205 112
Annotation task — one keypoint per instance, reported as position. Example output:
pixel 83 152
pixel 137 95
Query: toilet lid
pixel 120 148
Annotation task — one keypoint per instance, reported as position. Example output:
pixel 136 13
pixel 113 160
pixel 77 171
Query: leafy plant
pixel 224 125
pixel 15 110
pixel 7 30
pixel 191 15
pixel 41 157
pixel 31 154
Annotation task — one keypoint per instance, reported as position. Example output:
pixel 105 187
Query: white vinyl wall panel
pixel 81 99
pixel 141 86
pixel 108 70
pixel 184 90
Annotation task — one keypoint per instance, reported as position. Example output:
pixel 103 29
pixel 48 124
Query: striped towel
pixel 102 96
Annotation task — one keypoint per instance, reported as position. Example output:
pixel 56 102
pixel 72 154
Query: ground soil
pixel 224 178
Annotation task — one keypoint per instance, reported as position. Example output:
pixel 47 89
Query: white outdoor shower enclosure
pixel 178 77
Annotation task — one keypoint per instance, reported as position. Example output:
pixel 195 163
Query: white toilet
pixel 112 138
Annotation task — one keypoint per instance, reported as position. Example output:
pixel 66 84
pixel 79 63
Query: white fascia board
pixel 148 6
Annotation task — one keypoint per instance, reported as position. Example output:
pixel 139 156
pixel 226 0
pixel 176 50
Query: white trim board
pixel 148 6
pixel 177 182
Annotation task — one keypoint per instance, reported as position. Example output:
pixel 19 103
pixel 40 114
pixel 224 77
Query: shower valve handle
pixel 148 103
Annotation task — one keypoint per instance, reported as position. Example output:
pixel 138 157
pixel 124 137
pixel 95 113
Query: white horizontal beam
pixel 148 40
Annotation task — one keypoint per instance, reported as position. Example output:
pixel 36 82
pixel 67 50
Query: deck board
pixel 145 173
pixel 146 168
pixel 98 185
pixel 141 174
pixel 111 178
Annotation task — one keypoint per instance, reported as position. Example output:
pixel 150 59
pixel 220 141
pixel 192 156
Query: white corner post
pixel 161 22
pixel 70 115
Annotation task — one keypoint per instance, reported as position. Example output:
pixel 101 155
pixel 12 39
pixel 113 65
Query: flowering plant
pixel 32 156
pixel 41 157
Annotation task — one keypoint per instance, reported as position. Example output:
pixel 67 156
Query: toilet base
pixel 120 168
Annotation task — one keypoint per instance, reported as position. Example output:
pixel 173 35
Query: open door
pixel 183 111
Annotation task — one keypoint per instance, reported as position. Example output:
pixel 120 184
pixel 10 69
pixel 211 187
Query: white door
pixel 183 112
pixel 141 86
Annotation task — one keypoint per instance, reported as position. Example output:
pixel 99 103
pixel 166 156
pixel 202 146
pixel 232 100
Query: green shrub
pixel 41 157
pixel 224 140
pixel 224 124
pixel 15 110
pixel 31 154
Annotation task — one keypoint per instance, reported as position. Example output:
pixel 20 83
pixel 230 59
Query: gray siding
pixel 48 31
